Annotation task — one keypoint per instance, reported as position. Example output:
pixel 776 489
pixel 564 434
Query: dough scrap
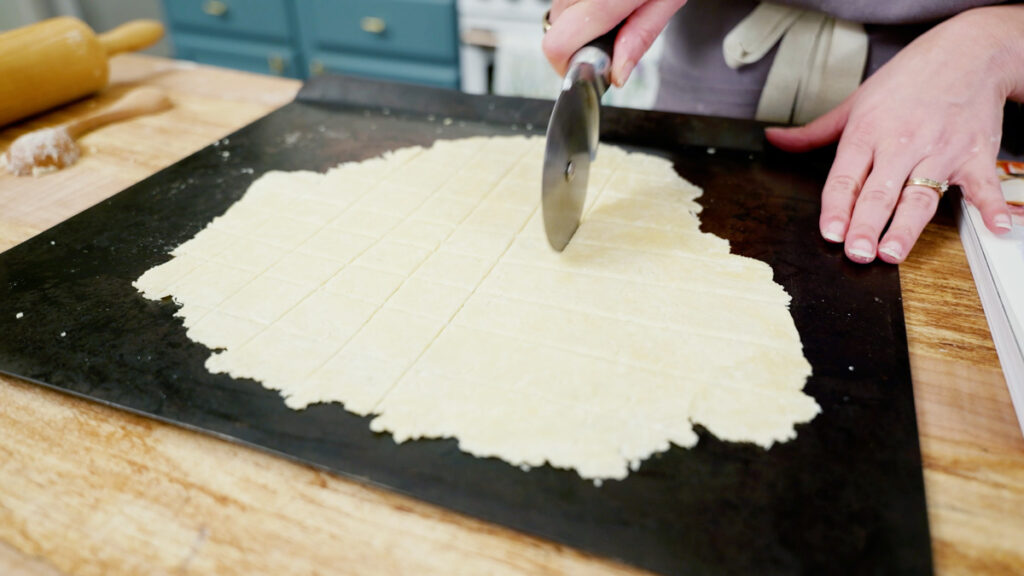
pixel 419 287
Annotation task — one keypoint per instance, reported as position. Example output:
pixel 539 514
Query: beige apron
pixel 819 63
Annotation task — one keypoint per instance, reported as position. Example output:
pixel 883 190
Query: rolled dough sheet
pixel 419 287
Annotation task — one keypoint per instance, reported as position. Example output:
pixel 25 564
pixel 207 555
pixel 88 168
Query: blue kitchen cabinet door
pixel 405 40
pixel 400 70
pixel 263 20
pixel 275 59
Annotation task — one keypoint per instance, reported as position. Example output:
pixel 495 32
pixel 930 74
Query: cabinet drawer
pixel 278 60
pixel 401 70
pixel 263 19
pixel 412 29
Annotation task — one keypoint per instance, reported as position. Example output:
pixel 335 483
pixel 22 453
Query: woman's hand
pixel 576 22
pixel 934 111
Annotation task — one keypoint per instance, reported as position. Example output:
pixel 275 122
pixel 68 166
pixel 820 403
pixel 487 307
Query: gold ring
pixel 939 187
pixel 547 20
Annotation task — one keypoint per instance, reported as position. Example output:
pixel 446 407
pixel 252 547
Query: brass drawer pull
pixel 276 64
pixel 316 67
pixel 373 25
pixel 215 8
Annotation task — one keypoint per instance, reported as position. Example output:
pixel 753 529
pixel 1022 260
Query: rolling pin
pixel 59 60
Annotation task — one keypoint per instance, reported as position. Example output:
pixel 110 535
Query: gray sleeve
pixel 889 11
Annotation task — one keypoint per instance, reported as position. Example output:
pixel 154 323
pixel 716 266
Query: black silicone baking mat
pixel 846 496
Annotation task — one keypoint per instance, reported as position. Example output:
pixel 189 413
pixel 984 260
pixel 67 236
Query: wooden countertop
pixel 86 489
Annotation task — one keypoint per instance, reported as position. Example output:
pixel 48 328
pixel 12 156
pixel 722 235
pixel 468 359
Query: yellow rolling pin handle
pixel 56 61
pixel 134 35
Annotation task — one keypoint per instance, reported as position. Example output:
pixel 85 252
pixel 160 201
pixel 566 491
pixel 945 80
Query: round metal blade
pixel 570 147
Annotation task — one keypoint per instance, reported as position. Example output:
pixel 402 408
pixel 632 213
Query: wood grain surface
pixel 86 489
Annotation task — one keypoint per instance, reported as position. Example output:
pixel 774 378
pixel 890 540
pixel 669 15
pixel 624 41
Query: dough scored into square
pixel 419 287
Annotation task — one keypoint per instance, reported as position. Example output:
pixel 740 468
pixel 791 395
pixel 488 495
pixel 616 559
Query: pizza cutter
pixel 572 137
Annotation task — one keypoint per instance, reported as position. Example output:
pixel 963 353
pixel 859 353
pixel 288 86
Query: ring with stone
pixel 939 187
pixel 547 20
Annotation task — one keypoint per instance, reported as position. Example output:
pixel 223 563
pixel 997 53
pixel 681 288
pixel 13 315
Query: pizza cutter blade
pixel 572 138
pixel 571 145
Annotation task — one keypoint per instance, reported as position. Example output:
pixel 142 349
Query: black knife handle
pixel 593 62
pixel 606 42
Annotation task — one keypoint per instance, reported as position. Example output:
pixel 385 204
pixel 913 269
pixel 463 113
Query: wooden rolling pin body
pixel 56 61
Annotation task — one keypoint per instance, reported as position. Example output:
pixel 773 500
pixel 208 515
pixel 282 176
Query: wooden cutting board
pixel 847 495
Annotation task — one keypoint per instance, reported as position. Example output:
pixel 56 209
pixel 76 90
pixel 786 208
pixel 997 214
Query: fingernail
pixel 862 250
pixel 833 232
pixel 892 250
pixel 1002 221
pixel 624 71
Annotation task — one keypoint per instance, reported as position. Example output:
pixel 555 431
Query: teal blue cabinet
pixel 280 60
pixel 404 40
pixel 269 20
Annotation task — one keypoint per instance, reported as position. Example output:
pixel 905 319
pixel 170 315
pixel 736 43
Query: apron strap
pixel 820 60
pixel 756 34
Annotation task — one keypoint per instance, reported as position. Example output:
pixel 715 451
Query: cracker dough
pixel 419 287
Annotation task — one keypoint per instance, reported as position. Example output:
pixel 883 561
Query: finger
pixel 916 207
pixel 980 185
pixel 824 130
pixel 877 201
pixel 843 185
pixel 579 23
pixel 638 34
pixel 559 6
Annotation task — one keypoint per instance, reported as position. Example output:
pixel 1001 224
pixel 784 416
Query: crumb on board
pixel 38 171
